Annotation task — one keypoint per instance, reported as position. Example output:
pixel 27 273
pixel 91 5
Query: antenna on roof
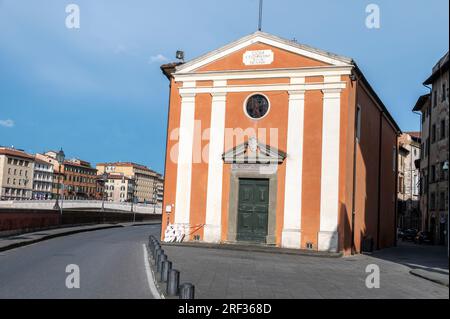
pixel 260 15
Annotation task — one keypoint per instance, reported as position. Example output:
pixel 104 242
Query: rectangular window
pixel 401 185
pixel 443 93
pixel 394 159
pixel 433 133
pixel 433 174
pixel 415 185
pixel 442 129
pixel 442 201
pixel 358 123
pixel 432 201
pixel 435 94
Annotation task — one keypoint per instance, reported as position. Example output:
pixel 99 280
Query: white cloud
pixel 7 123
pixel 159 58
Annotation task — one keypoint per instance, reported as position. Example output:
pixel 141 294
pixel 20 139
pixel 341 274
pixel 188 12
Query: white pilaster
pixel 184 168
pixel 212 230
pixel 291 234
pixel 329 194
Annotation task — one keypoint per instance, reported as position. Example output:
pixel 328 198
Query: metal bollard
pixel 173 282
pixel 154 247
pixel 187 291
pixel 158 256
pixel 162 258
pixel 166 267
pixel 155 255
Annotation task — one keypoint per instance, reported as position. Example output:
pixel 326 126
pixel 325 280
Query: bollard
pixel 155 255
pixel 166 267
pixel 162 258
pixel 155 251
pixel 158 257
pixel 187 291
pixel 154 247
pixel 173 281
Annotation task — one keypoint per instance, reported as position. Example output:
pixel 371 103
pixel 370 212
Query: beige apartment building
pixel 434 163
pixel 119 188
pixel 16 174
pixel 147 183
pixel 408 181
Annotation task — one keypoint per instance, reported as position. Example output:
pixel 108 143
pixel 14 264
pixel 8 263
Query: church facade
pixel 276 143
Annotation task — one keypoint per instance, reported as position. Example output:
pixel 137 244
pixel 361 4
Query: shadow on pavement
pixel 425 257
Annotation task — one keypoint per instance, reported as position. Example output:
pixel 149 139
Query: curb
pixel 155 278
pixel 269 250
pixel 423 275
pixel 147 224
pixel 71 232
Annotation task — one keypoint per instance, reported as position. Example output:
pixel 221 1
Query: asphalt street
pixel 111 265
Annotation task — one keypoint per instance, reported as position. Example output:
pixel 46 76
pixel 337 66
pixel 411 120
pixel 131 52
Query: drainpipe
pixel 379 181
pixel 421 154
pixel 428 154
pixel 353 250
pixel 396 187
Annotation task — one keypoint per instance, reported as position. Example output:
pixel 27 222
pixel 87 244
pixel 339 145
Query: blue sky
pixel 98 92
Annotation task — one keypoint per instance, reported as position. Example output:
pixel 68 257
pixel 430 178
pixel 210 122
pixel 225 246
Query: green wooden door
pixel 253 210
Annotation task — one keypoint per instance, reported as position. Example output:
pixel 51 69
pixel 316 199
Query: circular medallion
pixel 257 106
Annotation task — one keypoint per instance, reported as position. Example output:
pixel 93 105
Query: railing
pixel 82 204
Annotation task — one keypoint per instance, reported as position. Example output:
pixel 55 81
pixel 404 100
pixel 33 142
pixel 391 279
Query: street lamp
pixel 104 179
pixel 60 156
pixel 154 195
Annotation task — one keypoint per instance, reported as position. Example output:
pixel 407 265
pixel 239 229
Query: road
pixel 111 264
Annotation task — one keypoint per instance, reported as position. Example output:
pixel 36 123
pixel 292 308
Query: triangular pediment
pixel 253 151
pixel 263 39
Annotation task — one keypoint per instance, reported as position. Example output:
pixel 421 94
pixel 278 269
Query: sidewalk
pixel 424 261
pixel 240 274
pixel 12 242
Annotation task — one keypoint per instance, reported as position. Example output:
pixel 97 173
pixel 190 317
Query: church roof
pixel 269 39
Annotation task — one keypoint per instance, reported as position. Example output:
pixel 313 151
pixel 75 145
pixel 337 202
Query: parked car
pixel 423 237
pixel 409 234
pixel 400 233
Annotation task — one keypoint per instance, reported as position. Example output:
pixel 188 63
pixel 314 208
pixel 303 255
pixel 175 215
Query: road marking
pixel 150 278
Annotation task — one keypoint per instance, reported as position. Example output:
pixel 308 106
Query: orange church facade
pixel 276 143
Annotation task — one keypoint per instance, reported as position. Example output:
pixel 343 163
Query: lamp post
pixel 154 195
pixel 133 197
pixel 104 179
pixel 60 156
